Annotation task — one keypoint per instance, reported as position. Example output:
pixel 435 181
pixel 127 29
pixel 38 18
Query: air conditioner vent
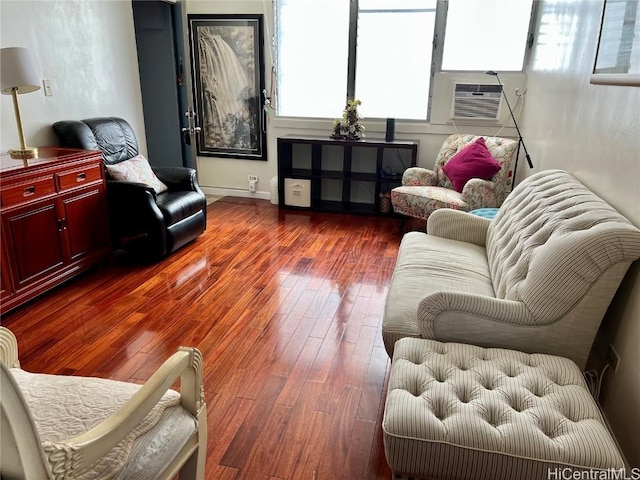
pixel 476 101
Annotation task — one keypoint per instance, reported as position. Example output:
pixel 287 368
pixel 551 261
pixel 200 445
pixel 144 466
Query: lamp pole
pixel 16 110
pixel 19 76
pixel 520 140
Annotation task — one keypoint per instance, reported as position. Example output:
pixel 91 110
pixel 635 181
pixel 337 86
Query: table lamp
pixel 18 75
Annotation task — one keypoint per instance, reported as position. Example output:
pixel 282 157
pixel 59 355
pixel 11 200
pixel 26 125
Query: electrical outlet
pixel 253 178
pixel 613 359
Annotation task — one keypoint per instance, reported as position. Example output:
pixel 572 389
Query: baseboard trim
pixel 235 192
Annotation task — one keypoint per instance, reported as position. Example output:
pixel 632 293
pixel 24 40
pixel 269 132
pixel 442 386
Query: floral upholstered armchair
pixel 423 191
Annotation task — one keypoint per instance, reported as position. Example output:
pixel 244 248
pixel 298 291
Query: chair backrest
pixel 81 439
pixel 113 136
pixel 552 240
pixel 502 149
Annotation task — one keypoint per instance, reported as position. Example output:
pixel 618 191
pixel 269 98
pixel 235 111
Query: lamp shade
pixel 18 71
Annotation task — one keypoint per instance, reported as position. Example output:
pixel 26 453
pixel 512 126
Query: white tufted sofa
pixel 537 278
pixel 456 411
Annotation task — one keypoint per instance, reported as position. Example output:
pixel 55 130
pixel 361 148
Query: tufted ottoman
pixel 458 411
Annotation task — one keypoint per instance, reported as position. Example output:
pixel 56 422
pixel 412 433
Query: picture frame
pixel 228 81
pixel 617 60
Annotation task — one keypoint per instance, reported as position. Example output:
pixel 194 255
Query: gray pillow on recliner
pixel 136 170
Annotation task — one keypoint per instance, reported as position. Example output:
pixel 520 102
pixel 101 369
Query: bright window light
pixel 619 46
pixel 486 35
pixel 312 57
pixel 393 55
pixel 393 62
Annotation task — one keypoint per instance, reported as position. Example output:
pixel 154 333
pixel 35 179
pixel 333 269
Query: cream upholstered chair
pixel 68 427
pixel 423 191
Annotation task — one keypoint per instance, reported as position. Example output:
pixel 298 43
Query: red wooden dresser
pixel 54 221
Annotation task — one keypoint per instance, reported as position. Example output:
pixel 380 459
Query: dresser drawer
pixel 76 178
pixel 25 192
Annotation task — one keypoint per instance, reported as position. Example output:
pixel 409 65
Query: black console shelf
pixel 348 176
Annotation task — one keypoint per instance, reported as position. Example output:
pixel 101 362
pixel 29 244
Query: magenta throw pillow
pixel 473 161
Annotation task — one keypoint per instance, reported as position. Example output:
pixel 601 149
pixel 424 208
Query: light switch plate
pixel 48 91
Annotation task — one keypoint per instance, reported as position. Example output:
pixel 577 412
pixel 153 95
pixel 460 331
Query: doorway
pixel 163 67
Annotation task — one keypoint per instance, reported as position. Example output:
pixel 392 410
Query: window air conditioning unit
pixel 476 101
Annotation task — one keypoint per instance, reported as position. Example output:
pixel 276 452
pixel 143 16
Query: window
pixel 486 35
pixel 393 67
pixel 383 51
pixel 312 57
pixel 618 58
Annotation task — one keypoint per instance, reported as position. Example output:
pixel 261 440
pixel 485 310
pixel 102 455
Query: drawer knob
pixel 29 191
pixel 81 177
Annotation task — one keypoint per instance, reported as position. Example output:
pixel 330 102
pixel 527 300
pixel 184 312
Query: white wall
pixel 224 176
pixel 593 132
pixel 228 176
pixel 88 51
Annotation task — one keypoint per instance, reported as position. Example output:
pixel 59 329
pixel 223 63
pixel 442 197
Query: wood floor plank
pixel 374 382
pixel 349 368
pixel 286 308
pixel 268 346
pixel 378 467
pixel 223 473
pixel 234 418
pixel 356 464
pixel 242 445
pixel 337 445
pixel 326 315
pixel 287 360
pixel 266 445
pixel 312 448
pixel 220 403
pixel 356 320
pixel 302 304
pixel 325 360
pixel 290 448
pixel 298 376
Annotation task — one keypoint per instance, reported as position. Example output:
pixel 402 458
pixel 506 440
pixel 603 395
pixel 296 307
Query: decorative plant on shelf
pixel 349 125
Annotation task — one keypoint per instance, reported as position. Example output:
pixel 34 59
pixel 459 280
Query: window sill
pixel 626 80
pixel 376 128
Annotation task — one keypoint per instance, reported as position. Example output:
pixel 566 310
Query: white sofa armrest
pixel 492 322
pixel 457 225
pixel 435 310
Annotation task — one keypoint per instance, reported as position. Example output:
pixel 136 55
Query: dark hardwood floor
pixel 286 308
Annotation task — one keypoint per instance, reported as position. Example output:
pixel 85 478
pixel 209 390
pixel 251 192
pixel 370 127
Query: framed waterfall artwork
pixel 228 81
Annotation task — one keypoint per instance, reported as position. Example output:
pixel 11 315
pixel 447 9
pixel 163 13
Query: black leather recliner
pixel 152 225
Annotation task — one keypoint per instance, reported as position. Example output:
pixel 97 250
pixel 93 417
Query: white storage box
pixel 297 193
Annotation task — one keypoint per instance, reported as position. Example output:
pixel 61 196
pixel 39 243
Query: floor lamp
pixel 18 76
pixel 520 140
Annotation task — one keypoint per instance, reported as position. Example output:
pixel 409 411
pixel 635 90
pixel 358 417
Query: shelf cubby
pixel 346 176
